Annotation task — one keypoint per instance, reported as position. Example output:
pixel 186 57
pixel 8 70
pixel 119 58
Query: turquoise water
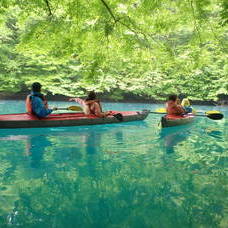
pixel 120 175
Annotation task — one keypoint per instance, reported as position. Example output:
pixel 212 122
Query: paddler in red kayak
pixel 91 105
pixel 36 102
pixel 173 106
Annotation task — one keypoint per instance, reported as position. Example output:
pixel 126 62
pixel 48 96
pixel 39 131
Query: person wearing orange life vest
pixel 173 107
pixel 91 105
pixel 36 103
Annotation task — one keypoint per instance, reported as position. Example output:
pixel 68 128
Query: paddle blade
pixel 118 116
pixel 213 112
pixel 75 108
pixel 215 116
pixel 162 110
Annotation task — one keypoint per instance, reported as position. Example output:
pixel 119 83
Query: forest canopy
pixel 144 47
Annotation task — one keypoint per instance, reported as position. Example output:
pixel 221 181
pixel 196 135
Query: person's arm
pixel 167 107
pixel 78 100
pixel 98 112
pixel 83 103
pixel 178 102
pixel 179 109
pixel 45 102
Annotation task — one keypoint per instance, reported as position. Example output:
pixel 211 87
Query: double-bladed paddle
pixel 72 108
pixel 214 115
pixel 118 116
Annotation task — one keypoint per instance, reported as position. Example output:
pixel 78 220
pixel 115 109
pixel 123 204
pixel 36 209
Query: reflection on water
pixel 120 175
pixel 172 136
pixel 216 133
pixel 32 146
pixel 92 142
pixel 37 149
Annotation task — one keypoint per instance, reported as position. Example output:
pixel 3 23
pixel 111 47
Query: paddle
pixel 159 112
pixel 163 110
pixel 118 116
pixel 72 108
pixel 214 115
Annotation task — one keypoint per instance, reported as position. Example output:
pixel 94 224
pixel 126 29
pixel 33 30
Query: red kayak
pixel 174 120
pixel 24 120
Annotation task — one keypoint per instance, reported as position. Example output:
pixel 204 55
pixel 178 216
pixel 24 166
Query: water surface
pixel 117 175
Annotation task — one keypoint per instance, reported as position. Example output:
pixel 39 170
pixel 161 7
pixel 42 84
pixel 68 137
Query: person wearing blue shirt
pixel 36 103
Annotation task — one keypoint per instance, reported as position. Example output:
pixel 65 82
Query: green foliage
pixel 145 47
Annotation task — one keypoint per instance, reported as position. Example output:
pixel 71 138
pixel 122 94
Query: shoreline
pixel 128 98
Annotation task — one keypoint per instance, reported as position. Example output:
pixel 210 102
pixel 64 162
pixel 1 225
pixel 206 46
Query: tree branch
pixel 109 10
pixel 49 8
pixel 135 30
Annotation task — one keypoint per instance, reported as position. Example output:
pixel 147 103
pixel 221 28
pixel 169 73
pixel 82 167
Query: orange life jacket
pixel 173 109
pixel 28 104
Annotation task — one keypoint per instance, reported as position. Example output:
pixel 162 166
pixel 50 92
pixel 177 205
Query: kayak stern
pixel 174 120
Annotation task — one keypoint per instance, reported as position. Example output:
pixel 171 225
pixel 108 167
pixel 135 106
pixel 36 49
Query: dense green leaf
pixel 145 47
